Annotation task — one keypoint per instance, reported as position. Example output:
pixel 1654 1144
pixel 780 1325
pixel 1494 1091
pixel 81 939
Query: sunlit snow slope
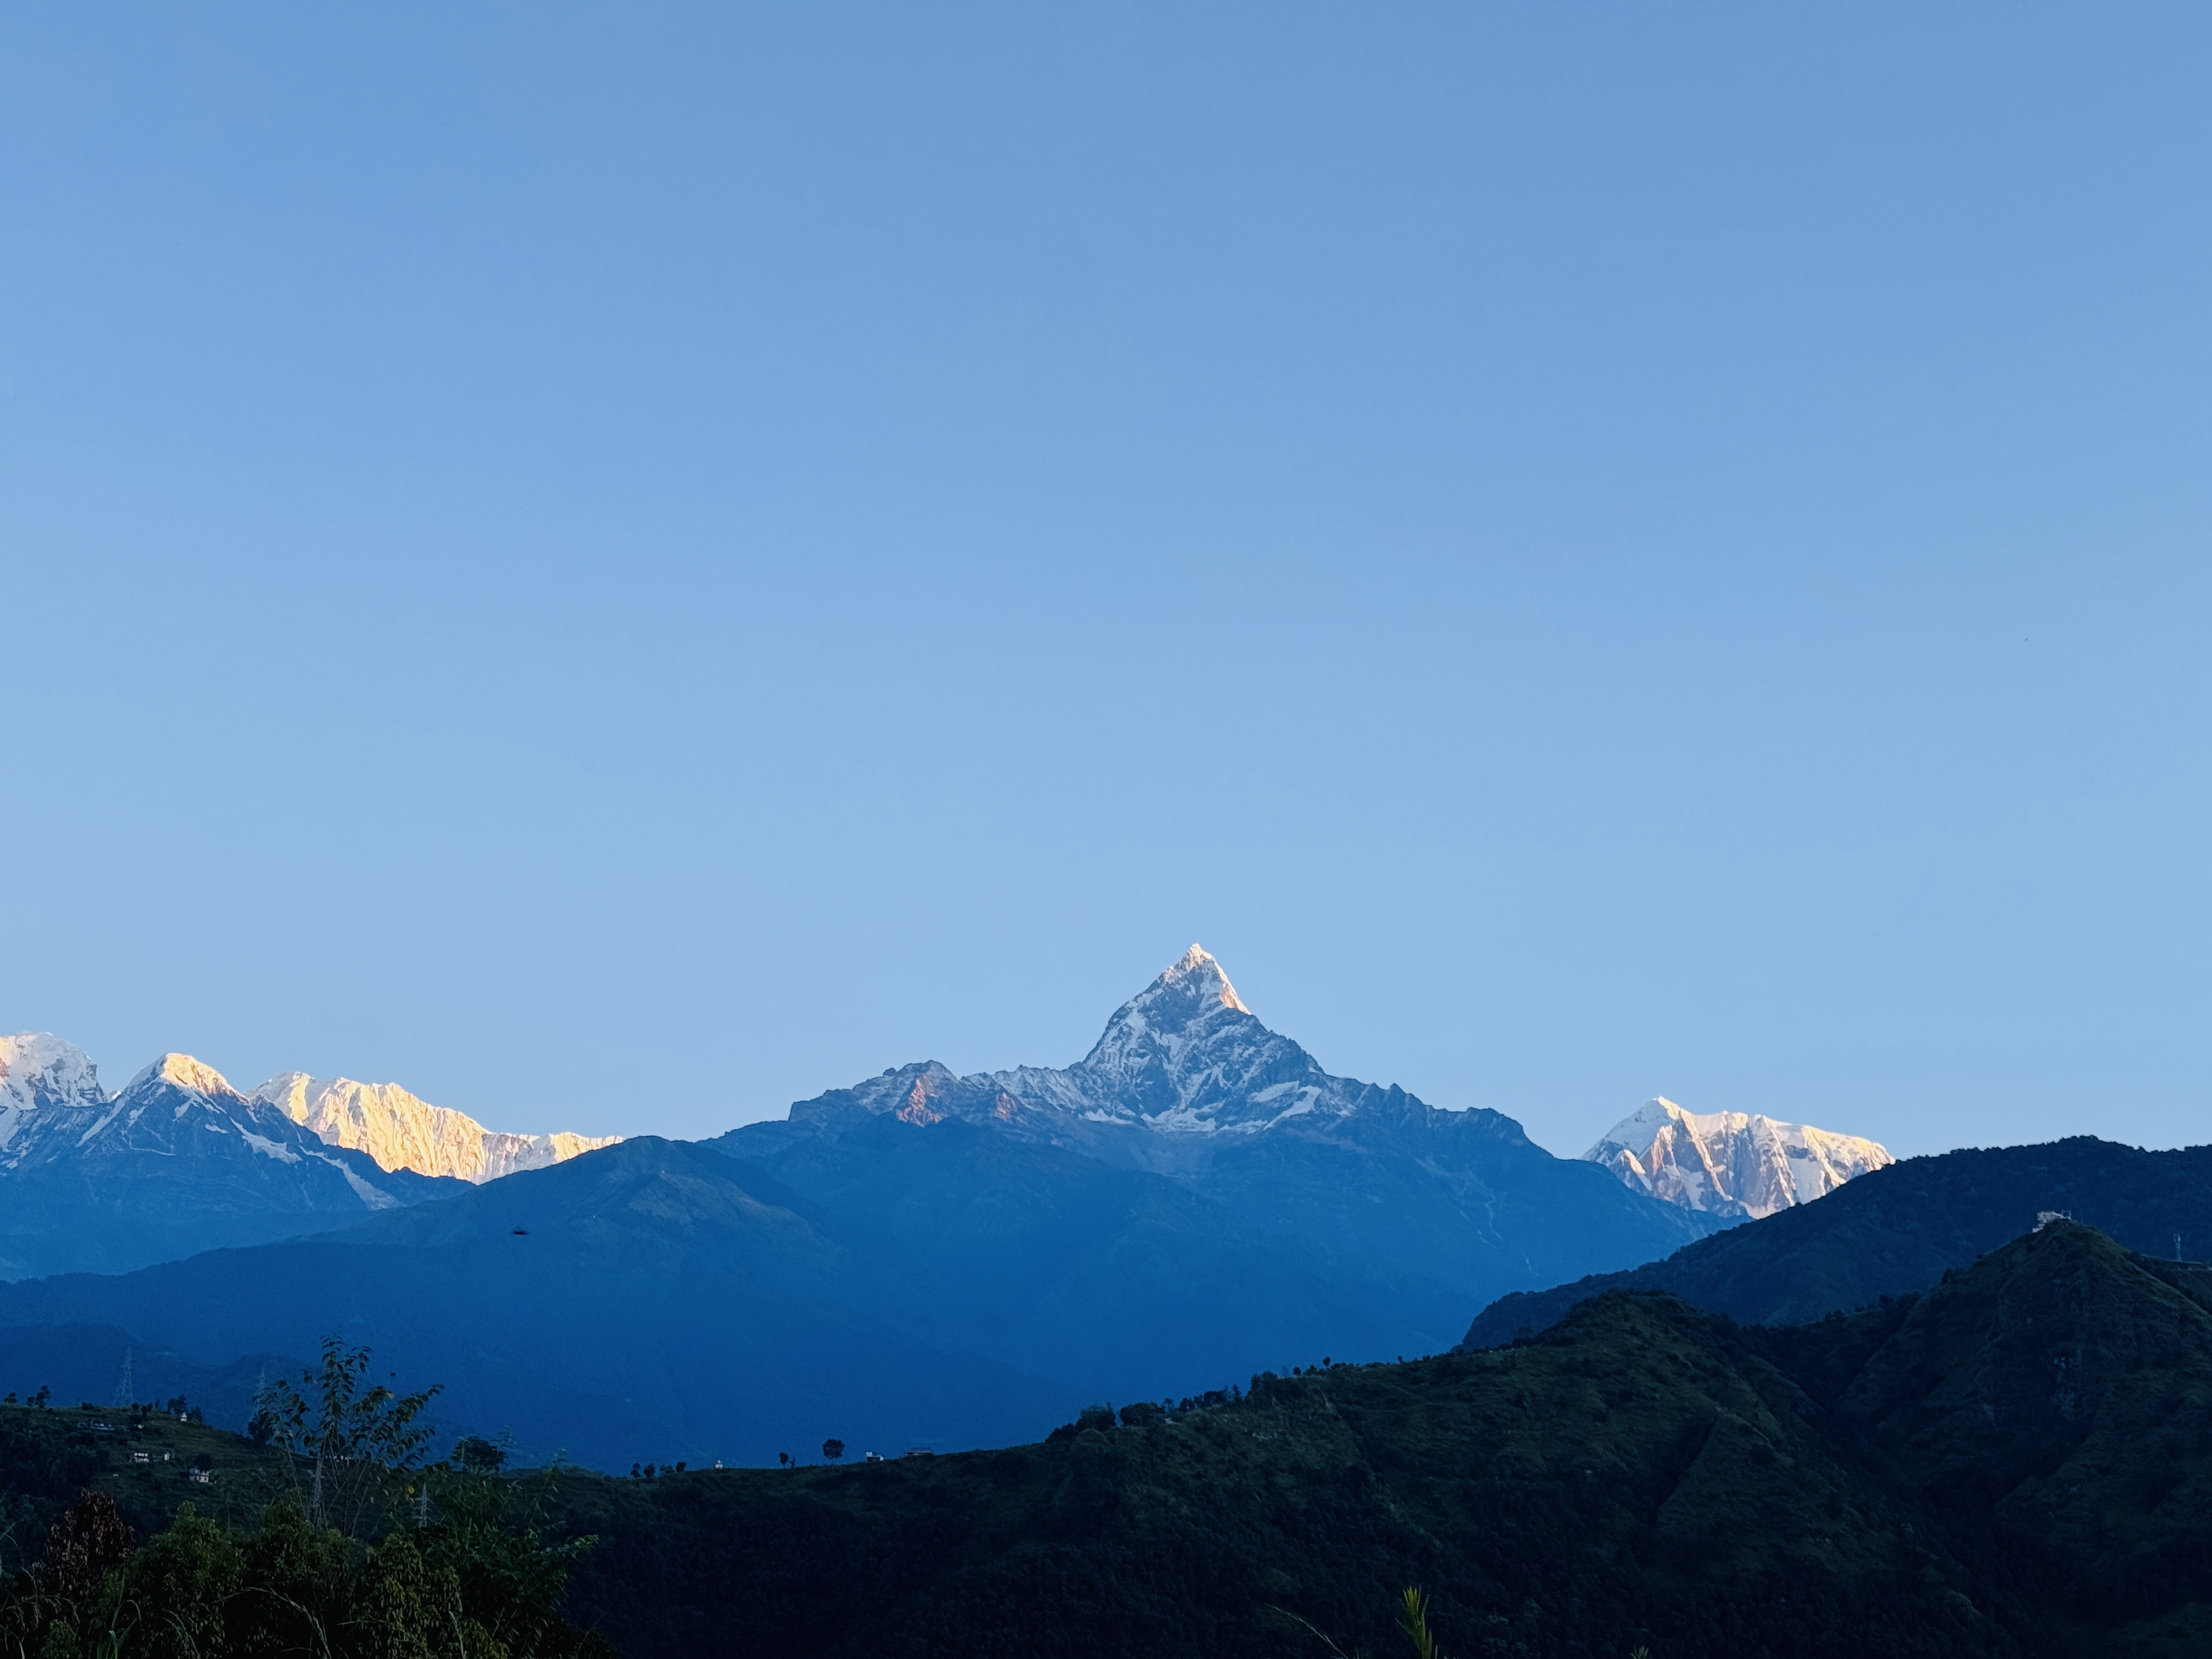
pixel 401 1131
pixel 1731 1164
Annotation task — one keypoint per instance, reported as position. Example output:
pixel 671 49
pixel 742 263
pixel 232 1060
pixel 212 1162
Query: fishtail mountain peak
pixel 1183 1058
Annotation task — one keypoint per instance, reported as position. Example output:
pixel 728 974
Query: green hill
pixel 2013 1464
pixel 145 1461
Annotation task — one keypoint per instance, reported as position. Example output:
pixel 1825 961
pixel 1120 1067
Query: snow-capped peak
pixel 1183 1057
pixel 1204 976
pixel 1182 1009
pixel 40 1074
pixel 39 1069
pixel 402 1131
pixel 185 1072
pixel 1734 1164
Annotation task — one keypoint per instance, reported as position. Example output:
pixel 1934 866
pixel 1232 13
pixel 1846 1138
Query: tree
pixel 342 1447
pixel 88 1539
pixel 72 1588
pixel 475 1452
pixel 179 1585
pixel 490 1533
pixel 833 1449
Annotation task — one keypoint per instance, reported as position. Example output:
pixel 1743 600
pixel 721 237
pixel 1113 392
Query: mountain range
pixel 175 1161
pixel 1731 1164
pixel 1845 1405
pixel 1427 1208
pixel 922 1259
pixel 180 1161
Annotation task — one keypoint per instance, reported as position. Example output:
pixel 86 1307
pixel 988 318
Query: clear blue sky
pixel 622 565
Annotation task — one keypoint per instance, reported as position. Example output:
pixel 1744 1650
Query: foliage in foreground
pixel 361 1551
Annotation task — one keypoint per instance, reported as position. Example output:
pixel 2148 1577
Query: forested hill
pixel 1900 1229
pixel 1926 1479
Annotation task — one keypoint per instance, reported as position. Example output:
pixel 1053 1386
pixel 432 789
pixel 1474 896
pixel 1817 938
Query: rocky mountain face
pixel 650 1299
pixel 401 1131
pixel 1734 1164
pixel 178 1161
pixel 1900 1229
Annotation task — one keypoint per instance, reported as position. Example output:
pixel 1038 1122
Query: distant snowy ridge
pixel 55 1113
pixel 1731 1164
pixel 402 1131
pixel 50 1088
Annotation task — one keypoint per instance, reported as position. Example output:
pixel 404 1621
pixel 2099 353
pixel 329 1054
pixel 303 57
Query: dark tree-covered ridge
pixel 1899 1229
pixel 1645 1474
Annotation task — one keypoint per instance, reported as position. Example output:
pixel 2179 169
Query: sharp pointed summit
pixel 1185 1054
pixel 1202 975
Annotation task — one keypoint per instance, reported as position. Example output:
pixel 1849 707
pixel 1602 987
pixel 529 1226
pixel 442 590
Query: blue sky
pixel 622 566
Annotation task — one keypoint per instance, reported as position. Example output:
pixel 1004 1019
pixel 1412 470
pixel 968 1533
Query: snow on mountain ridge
pixel 1184 1056
pixel 45 1080
pixel 1195 1059
pixel 401 1131
pixel 185 1072
pixel 40 1072
pixel 175 1101
pixel 1731 1164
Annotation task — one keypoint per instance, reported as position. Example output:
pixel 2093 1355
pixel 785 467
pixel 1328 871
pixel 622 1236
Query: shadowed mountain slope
pixel 659 1300
pixel 650 1299
pixel 1115 1280
pixel 1899 1229
pixel 2014 1463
